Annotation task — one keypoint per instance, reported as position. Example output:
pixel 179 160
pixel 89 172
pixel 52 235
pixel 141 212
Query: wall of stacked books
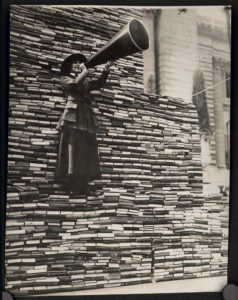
pixel 147 219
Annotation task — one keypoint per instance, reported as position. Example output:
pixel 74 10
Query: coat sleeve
pixel 68 83
pixel 98 83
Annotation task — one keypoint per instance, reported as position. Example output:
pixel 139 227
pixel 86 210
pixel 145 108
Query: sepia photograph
pixel 118 160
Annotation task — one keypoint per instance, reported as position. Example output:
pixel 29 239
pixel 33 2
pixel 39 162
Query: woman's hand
pixel 108 65
pixel 83 67
pixel 83 70
pixel 83 73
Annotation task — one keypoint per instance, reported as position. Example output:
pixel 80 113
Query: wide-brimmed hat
pixel 67 63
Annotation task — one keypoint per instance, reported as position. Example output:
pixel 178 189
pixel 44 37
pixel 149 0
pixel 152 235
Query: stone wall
pixel 147 219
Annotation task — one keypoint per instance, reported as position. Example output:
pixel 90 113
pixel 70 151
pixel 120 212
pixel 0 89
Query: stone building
pixel 189 53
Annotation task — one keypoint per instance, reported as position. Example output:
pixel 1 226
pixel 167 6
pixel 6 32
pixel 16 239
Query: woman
pixel 78 154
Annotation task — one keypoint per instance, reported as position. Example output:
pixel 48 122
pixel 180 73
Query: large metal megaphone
pixel 131 39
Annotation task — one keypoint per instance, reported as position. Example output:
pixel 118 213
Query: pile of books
pixel 64 243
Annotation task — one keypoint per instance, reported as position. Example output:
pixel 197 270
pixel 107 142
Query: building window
pixel 200 102
pixel 227 144
pixel 227 113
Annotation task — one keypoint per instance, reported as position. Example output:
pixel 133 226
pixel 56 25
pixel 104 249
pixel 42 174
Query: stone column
pixel 177 52
pixel 219 96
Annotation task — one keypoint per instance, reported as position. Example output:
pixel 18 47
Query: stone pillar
pixel 219 96
pixel 177 52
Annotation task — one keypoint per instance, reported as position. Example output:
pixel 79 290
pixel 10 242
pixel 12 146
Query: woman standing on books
pixel 78 161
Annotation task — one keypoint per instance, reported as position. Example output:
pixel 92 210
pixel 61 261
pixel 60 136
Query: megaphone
pixel 131 39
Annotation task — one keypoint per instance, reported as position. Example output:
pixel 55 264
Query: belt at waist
pixel 71 104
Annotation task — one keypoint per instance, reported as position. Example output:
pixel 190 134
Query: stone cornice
pixel 214 32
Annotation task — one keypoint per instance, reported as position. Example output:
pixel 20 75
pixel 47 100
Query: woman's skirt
pixel 78 159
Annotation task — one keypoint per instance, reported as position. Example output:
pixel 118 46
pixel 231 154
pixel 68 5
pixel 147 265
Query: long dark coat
pixel 78 154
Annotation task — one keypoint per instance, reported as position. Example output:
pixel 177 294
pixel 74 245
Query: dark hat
pixel 67 63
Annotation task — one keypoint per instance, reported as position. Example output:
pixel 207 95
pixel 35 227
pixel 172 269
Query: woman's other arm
pixel 100 82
